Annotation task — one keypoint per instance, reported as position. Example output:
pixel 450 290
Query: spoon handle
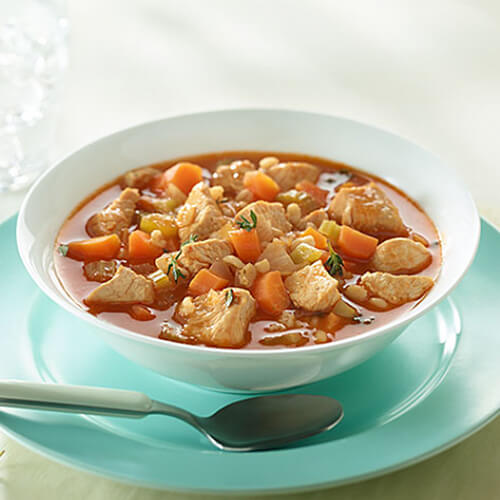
pixel 74 399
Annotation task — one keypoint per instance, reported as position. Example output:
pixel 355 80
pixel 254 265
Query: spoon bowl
pixel 267 422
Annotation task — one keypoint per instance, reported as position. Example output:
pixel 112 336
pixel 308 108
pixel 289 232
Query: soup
pixel 248 250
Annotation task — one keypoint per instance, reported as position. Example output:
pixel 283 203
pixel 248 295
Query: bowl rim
pixel 400 322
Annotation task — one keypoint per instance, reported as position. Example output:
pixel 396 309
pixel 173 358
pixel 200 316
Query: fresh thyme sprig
pixel 174 267
pixel 63 250
pixel 245 224
pixel 334 262
pixel 174 264
pixel 192 238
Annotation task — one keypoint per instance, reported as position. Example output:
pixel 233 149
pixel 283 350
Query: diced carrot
pixel 246 244
pixel 270 293
pixel 261 185
pixel 141 247
pixel 100 248
pixel 205 281
pixel 316 192
pixel 184 175
pixel 355 244
pixel 141 313
pixel 320 241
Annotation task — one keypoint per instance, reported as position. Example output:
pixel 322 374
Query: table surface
pixel 427 70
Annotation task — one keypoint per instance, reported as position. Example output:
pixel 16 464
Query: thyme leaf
pixel 192 238
pixel 174 267
pixel 245 224
pixel 334 262
pixel 63 250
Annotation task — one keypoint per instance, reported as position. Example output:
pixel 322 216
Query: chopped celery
pixel 304 200
pixel 165 205
pixel 160 279
pixel 330 229
pixel 304 253
pixel 163 223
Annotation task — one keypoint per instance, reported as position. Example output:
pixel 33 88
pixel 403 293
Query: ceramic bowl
pixel 419 173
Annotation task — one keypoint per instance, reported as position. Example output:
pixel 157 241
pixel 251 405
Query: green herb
pixel 191 239
pixel 334 262
pixel 245 224
pixel 229 297
pixel 174 267
pixel 2 452
pixel 174 264
pixel 63 250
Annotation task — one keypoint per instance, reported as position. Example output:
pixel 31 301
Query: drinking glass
pixel 33 57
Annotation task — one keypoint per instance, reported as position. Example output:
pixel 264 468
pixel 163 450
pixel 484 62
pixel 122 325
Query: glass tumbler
pixel 33 57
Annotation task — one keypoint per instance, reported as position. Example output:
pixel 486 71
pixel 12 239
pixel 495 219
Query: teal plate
pixel 435 385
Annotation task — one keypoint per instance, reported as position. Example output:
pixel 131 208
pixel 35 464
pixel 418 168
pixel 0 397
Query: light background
pixel 427 70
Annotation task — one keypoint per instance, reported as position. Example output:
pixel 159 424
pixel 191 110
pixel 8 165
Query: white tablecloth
pixel 428 70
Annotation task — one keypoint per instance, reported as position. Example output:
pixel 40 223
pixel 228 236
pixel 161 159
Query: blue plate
pixel 433 386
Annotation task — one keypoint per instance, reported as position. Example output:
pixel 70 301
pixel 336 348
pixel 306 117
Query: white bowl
pixel 419 173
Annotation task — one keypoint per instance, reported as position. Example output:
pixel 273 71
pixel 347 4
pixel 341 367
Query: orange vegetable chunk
pixel 205 281
pixel 270 293
pixel 261 185
pixel 320 241
pixel 141 247
pixel 100 248
pixel 184 175
pixel 141 313
pixel 246 244
pixel 356 244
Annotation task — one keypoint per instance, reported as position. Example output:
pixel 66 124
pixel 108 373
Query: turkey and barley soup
pixel 248 250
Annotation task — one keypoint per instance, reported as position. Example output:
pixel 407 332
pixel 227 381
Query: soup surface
pixel 248 250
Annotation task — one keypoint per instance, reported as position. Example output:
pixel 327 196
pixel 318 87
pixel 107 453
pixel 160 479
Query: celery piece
pixel 304 200
pixel 159 279
pixel 330 229
pixel 161 222
pixel 304 253
pixel 165 205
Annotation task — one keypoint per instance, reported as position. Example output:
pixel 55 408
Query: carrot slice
pixel 184 175
pixel 100 248
pixel 320 195
pixel 320 241
pixel 261 185
pixel 270 293
pixel 356 244
pixel 246 244
pixel 205 281
pixel 141 247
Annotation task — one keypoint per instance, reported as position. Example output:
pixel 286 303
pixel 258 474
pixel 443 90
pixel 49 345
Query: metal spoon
pixel 258 423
